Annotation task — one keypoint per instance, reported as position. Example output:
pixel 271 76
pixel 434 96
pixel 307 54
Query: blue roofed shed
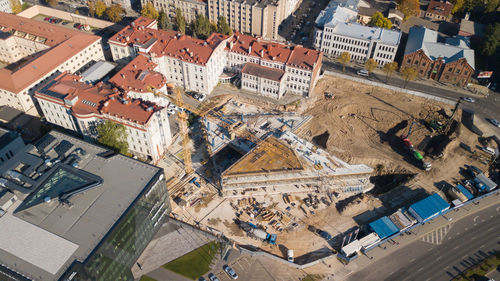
pixel 384 227
pixel 465 192
pixel 429 208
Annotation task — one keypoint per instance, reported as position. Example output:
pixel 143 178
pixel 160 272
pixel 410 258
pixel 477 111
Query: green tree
pixel 370 65
pixel 457 6
pixel 113 135
pixel 409 74
pixel 409 7
pixel 115 13
pixel 92 7
pixel 149 11
pixel 163 20
pixel 16 6
pixel 51 3
pixel 344 59
pixel 223 26
pixel 202 27
pixel 492 5
pixel 491 39
pixel 389 69
pixel 379 20
pixel 100 8
pixel 180 21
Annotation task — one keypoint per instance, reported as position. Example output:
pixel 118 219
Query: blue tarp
pixel 429 207
pixel 465 191
pixel 384 227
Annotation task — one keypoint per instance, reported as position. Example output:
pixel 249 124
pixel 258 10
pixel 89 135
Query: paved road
pixel 468 241
pixel 488 107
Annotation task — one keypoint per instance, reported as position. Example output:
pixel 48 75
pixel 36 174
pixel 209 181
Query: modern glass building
pixel 79 213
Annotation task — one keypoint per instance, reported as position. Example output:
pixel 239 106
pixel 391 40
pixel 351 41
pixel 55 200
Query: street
pixel 487 107
pixel 469 241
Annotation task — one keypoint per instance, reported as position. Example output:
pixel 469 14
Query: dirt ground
pixel 359 117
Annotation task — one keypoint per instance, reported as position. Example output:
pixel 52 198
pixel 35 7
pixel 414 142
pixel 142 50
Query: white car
pixel 170 111
pixel 212 277
pixel 230 271
pixel 201 97
pixel 495 122
pixel 467 99
pixel 363 72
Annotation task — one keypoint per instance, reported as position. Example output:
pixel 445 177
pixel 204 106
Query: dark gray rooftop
pixel 46 234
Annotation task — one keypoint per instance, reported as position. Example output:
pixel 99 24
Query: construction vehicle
pixel 414 153
pixel 258 233
pixel 444 128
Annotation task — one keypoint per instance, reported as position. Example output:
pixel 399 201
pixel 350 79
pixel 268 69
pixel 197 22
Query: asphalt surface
pixel 469 241
pixel 488 107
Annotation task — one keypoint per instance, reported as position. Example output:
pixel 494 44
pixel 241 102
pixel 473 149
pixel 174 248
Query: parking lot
pixel 258 269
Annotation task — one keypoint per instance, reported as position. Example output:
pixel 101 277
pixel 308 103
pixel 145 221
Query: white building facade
pixel 147 125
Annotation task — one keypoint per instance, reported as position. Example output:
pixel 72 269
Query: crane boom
pixel 182 118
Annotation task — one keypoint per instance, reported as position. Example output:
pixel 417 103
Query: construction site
pixel 348 154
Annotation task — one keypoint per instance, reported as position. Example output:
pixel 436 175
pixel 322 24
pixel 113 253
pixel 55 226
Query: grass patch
pixel 481 269
pixel 196 263
pixel 147 278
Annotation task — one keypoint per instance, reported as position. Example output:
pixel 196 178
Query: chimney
pixel 122 75
pixel 262 53
pixel 250 49
pixel 127 38
pixel 467 15
pixel 231 45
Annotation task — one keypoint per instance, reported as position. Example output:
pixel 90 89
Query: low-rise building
pixel 263 80
pixel 469 28
pixel 10 144
pixel 449 62
pixel 77 211
pixel 439 10
pixel 34 51
pixel 197 65
pixel 396 17
pixel 69 103
pixel 365 15
pixel 337 32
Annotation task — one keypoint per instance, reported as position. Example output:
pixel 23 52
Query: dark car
pixel 65 22
pixel 212 277
pixel 76 25
pixel 202 279
pixel 324 234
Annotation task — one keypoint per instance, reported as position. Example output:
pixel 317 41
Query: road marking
pixel 475 218
pixel 466 228
pixel 482 246
pixel 456 247
pixel 491 228
pixel 438 258
pixel 483 220
pixel 412 260
pixel 473 238
pixel 420 269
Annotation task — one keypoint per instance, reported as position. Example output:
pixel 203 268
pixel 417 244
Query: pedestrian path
pixel 437 236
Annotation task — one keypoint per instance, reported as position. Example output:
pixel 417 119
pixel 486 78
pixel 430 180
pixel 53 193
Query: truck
pixel 290 255
pixel 258 233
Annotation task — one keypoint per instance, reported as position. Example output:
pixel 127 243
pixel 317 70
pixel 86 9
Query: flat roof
pixel 97 71
pixel 430 206
pixel 52 234
pixel 384 227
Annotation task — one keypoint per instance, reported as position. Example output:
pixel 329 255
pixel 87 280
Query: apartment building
pixel 451 61
pixel 197 64
pixel 189 8
pixel 300 65
pixel 34 51
pixel 69 103
pixel 6 5
pixel 255 17
pixel 337 32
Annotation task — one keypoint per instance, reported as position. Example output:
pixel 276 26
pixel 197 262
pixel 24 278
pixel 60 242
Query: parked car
pixel 495 122
pixel 363 72
pixel 201 97
pixel 46 19
pixel 467 99
pixel 212 277
pixel 324 234
pixel 76 25
pixel 230 271
pixel 202 279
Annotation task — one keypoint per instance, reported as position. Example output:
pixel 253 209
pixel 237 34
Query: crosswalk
pixel 437 236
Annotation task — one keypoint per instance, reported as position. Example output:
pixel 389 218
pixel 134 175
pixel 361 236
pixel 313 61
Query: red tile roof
pixel 139 76
pixel 440 8
pixel 96 100
pixel 168 42
pixel 64 43
pixel 296 56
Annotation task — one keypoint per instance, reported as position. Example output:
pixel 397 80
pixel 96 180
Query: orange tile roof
pixel 168 42
pixel 138 76
pixel 64 43
pixel 296 56
pixel 96 100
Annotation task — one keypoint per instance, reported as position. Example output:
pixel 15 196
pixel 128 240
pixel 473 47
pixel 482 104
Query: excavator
pixel 405 139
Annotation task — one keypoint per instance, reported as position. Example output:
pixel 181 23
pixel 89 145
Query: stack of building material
pixel 401 220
